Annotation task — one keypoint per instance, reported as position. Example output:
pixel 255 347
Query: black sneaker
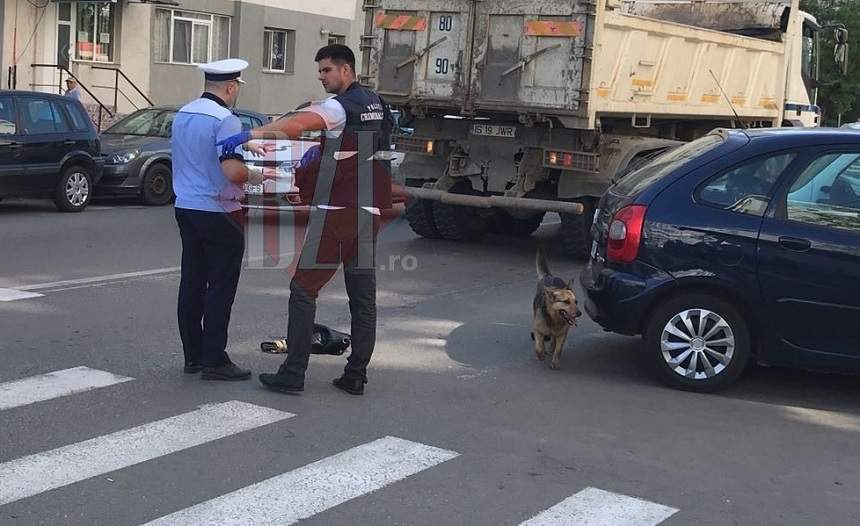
pixel 229 372
pixel 276 382
pixel 352 386
pixel 192 368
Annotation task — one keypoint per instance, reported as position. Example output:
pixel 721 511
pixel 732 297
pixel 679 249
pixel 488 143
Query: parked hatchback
pixel 138 155
pixel 48 147
pixel 740 245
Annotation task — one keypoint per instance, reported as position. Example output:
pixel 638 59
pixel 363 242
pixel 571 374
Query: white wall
pixel 333 8
pixel 29 22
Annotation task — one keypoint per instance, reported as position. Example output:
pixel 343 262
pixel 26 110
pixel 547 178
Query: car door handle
pixel 69 142
pixel 795 244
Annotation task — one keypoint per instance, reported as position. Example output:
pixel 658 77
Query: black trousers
pixel 213 245
pixel 340 244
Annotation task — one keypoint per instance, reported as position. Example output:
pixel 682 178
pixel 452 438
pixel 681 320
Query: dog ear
pixel 570 285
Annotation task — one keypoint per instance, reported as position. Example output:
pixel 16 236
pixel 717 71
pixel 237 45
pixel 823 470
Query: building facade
pixel 119 47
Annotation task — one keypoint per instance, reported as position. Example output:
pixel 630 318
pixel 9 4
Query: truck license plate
pixel 493 130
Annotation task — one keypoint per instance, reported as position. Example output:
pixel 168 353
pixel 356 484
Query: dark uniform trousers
pixel 342 234
pixel 213 246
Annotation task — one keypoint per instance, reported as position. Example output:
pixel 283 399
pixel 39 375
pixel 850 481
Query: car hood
pixel 122 143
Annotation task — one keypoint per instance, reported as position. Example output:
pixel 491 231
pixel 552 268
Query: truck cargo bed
pixel 568 58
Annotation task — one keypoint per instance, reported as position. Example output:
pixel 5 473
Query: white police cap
pixel 221 70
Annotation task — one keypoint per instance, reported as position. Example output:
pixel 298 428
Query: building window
pixel 95 31
pixel 336 39
pixel 183 37
pixel 278 46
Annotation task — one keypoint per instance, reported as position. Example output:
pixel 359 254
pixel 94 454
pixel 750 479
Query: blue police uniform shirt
pixel 198 180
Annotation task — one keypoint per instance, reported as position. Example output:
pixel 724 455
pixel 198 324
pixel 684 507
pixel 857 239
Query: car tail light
pixel 625 234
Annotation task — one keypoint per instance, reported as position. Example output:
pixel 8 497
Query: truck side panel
pixel 662 69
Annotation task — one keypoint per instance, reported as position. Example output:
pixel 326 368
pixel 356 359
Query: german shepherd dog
pixel 555 312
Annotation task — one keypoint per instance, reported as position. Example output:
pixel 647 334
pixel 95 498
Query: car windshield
pixel 152 122
pixel 665 164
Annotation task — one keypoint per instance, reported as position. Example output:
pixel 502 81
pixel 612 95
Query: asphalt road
pixel 460 424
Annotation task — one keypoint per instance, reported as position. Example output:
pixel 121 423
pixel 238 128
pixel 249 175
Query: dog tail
pixel 542 267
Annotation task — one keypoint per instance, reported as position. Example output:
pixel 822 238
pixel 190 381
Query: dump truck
pixel 517 108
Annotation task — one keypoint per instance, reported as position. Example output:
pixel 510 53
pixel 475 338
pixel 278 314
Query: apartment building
pixel 121 46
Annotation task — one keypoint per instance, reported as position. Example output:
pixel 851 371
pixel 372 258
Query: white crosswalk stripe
pixel 595 507
pixel 15 295
pixel 315 487
pixel 66 465
pixel 54 385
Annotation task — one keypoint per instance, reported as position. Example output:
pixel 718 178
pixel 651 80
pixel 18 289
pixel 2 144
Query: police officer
pixel 350 182
pixel 207 181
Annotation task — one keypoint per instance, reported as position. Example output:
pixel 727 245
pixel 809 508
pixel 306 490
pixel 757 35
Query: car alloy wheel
pixel 77 189
pixel 697 344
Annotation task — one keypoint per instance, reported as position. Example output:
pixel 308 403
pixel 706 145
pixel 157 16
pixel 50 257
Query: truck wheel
pixel 458 223
pixel 505 224
pixel 576 230
pixel 419 215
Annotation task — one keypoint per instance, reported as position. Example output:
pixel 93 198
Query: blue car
pixel 740 245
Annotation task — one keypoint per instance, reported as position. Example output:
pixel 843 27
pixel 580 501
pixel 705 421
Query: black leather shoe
pixel 192 368
pixel 228 372
pixel 353 386
pixel 276 382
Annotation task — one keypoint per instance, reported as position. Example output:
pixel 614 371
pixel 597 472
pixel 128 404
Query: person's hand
pixel 258 175
pixel 257 149
pixel 234 141
pixel 270 173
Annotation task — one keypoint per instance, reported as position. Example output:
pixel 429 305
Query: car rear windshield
pixel 665 164
pixel 148 123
